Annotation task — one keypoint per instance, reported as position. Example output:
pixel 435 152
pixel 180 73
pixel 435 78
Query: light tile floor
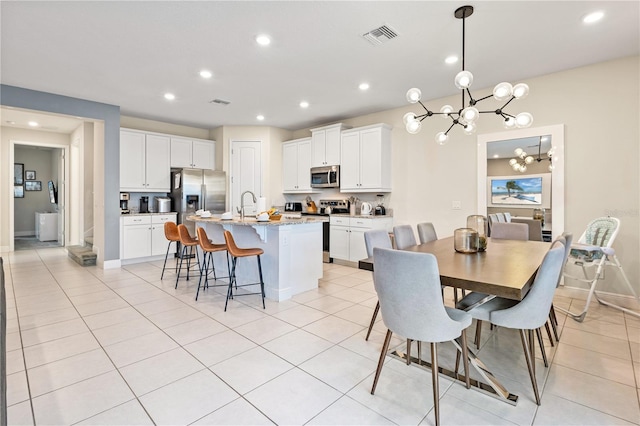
pixel 91 346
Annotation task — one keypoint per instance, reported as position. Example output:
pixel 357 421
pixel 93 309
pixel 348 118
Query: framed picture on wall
pixel 18 191
pixel 30 175
pixel 33 185
pixel 18 173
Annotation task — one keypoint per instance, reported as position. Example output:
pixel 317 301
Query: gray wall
pixel 110 115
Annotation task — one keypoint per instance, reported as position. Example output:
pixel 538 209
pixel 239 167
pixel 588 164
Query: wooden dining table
pixel 506 269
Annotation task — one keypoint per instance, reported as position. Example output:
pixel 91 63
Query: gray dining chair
pixel 510 231
pixel 501 217
pixel 553 319
pixel 426 232
pixel 404 236
pixel 530 313
pixel 535 228
pixel 491 219
pixel 372 239
pixel 507 216
pixel 408 287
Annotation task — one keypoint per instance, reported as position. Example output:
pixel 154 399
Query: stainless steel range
pixel 328 207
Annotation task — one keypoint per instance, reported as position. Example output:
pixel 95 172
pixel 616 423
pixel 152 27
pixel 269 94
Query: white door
pixel 246 174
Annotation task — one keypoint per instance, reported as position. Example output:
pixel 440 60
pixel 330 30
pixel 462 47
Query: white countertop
pixel 251 221
pixel 145 214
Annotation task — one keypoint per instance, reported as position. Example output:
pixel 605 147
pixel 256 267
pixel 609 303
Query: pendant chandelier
pixel 467 115
pixel 519 164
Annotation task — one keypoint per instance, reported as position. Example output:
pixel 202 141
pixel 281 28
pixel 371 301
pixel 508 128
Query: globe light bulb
pixel 523 168
pixel 408 117
pixel 509 123
pixel 550 167
pixel 469 129
pixel 446 110
pixel 414 95
pixel 528 160
pixel 502 91
pixel 516 167
pixel 518 151
pixel 524 119
pixel 463 80
pixel 413 127
pixel 442 138
pixel 470 114
pixel 520 90
pixel 512 162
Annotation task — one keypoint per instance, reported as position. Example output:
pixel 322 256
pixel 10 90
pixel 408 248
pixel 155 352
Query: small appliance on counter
pixel 334 207
pixel 380 210
pixel 311 205
pixel 163 204
pixel 124 203
pixel 144 204
pixel 365 208
pixel 292 207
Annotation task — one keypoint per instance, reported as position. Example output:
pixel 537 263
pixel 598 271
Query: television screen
pixel 518 191
pixel 53 196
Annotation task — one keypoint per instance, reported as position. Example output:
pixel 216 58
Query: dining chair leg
pixel 478 333
pixel 419 343
pixel 383 354
pixel 409 351
pixel 548 329
pixel 530 362
pixel 465 359
pixel 542 349
pixel 373 320
pixel 434 382
pixel 554 322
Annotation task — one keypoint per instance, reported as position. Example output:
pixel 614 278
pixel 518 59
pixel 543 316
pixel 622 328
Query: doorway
pixel 34 220
pixel 245 173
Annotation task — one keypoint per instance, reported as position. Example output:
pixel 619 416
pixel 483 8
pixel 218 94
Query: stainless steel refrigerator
pixel 193 189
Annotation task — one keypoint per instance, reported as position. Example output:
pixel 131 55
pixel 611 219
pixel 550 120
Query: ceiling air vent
pixel 380 35
pixel 220 102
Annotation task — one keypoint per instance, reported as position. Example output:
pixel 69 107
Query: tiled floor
pixel 89 346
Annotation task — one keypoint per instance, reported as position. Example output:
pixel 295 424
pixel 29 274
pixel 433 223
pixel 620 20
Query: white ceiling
pixel 131 53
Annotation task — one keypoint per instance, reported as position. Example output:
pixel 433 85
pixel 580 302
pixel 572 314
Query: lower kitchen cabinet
pixel 142 236
pixel 346 241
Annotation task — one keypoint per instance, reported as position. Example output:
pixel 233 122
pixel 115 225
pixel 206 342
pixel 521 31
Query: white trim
pixel 557 184
pixel 111 264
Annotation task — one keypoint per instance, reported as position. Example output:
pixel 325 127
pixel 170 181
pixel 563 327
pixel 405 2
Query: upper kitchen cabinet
pixel 366 159
pixel 296 165
pixel 144 162
pixel 325 145
pixel 192 153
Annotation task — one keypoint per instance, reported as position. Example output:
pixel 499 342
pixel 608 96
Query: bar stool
pixel 208 248
pixel 171 234
pixel 236 253
pixel 188 242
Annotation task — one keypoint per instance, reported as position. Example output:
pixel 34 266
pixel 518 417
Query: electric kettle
pixel 365 208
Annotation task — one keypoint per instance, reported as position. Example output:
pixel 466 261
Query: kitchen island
pixel 292 259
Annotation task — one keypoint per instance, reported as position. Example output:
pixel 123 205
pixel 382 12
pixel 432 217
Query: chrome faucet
pixel 241 209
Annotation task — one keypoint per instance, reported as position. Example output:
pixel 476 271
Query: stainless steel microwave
pixel 325 177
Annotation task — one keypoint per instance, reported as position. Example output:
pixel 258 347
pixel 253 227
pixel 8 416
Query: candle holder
pixel 480 225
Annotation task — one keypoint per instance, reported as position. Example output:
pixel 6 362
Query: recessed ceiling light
pixel 304 104
pixel 593 17
pixel 11 122
pixel 451 59
pixel 496 156
pixel 263 40
pixel 33 124
pixel 169 96
pixel 363 86
pixel 260 117
pixel 206 74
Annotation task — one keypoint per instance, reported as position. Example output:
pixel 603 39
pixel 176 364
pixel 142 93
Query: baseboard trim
pixel 111 264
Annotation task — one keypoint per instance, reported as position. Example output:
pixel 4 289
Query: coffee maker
pixel 124 203
pixel 144 204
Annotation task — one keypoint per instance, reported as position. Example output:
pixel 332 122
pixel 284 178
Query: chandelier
pixel 519 164
pixel 467 115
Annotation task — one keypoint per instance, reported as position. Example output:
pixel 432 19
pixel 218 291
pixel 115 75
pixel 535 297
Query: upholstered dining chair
pixel 408 287
pixel 529 314
pixel 553 320
pixel 426 232
pixel 501 217
pixel 507 216
pixel 535 227
pixel 510 231
pixel 404 236
pixel 372 239
pixel 491 219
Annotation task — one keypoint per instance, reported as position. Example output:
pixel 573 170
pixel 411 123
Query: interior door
pixel 246 174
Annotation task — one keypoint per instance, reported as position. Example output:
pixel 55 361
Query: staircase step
pixel 83 256
pixel 88 241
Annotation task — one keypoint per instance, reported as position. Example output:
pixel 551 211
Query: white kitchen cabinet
pixel 142 236
pixel 296 163
pixel 144 162
pixel 325 145
pixel 192 153
pixel 346 240
pixel 366 159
